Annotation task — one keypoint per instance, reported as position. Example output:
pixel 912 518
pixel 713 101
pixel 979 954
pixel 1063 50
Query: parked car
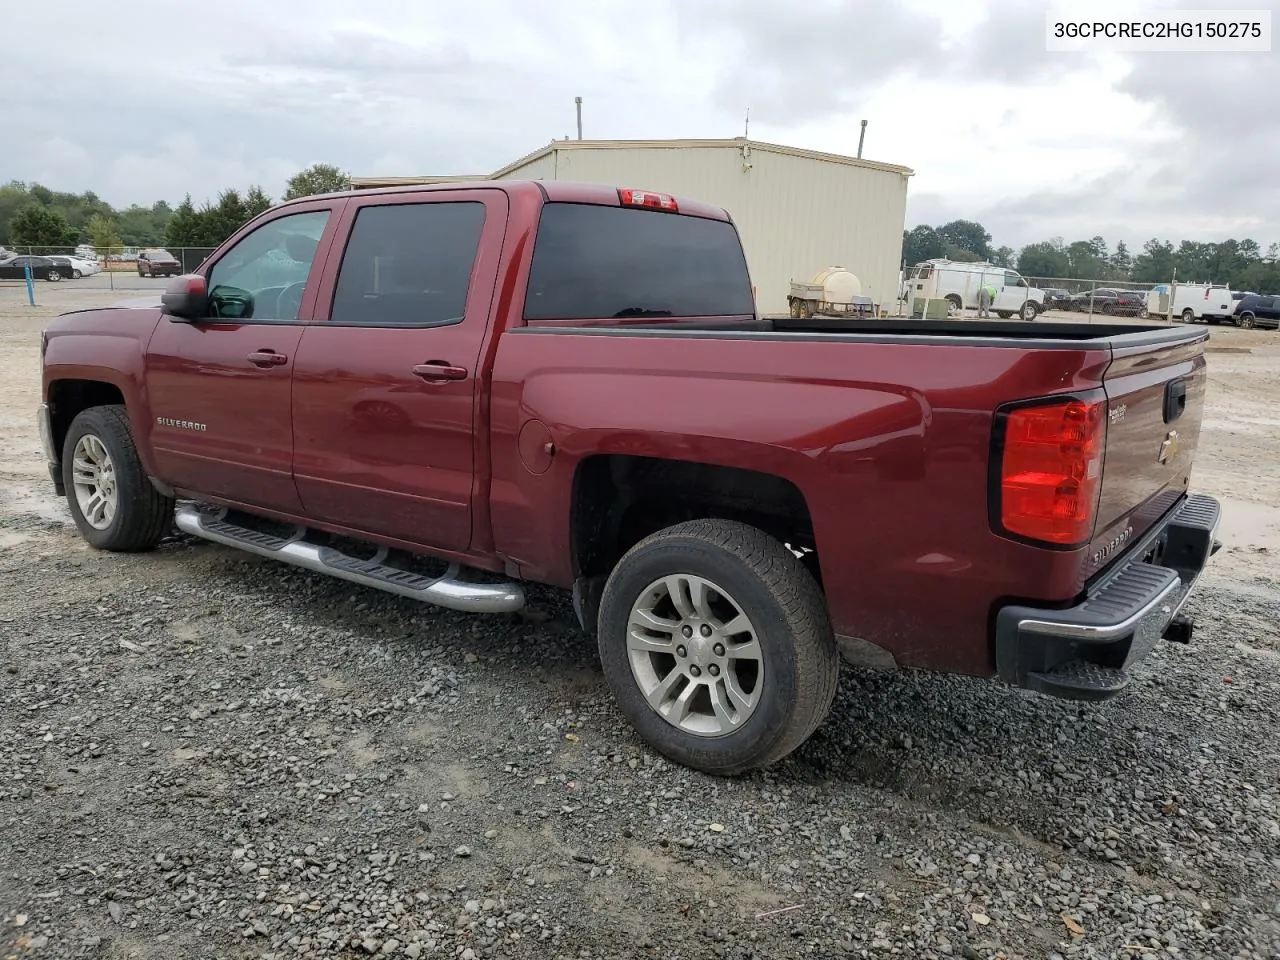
pixel 42 268
pixel 1111 302
pixel 158 263
pixel 570 385
pixel 1057 298
pixel 76 267
pixel 1255 310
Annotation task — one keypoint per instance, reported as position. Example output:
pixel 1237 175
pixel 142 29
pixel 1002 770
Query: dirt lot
pixel 207 755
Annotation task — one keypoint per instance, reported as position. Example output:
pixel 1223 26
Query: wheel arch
pixel 70 395
pixel 618 499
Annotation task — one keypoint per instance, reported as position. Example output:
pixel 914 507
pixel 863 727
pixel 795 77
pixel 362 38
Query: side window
pixel 263 276
pixel 1011 279
pixel 408 265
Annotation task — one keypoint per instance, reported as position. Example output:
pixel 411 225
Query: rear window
pixel 594 262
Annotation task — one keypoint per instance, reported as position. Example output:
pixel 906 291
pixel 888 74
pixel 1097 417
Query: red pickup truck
pixel 445 391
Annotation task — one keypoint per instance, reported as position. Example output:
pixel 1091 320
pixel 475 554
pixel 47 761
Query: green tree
pixel 185 227
pixel 967 235
pixel 1002 256
pixel 1086 261
pixel 922 243
pixel 1122 261
pixel 1046 259
pixel 256 201
pixel 1156 262
pixel 317 178
pixel 103 233
pixel 13 197
pixel 37 226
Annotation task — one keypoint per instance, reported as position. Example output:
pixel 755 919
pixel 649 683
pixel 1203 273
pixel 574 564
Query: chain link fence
pixel 1097 298
pixel 113 268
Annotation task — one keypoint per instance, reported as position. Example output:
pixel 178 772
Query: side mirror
pixel 185 298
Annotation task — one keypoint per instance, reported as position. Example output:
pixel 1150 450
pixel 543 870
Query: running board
pixel 446 590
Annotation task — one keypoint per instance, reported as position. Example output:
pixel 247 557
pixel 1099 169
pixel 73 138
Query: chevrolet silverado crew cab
pixel 446 392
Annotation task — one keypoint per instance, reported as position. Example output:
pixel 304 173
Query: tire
pixel 1245 321
pixel 53 276
pixel 1188 315
pixel 1029 311
pixel 745 572
pixel 955 302
pixel 140 516
pixel 76 275
pixel 1003 314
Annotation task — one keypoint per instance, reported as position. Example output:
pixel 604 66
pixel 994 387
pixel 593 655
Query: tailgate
pixel 1155 400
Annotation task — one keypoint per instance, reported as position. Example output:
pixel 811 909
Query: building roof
pixel 736 143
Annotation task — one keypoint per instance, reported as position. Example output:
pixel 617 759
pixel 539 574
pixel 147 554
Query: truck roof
pixel 549 191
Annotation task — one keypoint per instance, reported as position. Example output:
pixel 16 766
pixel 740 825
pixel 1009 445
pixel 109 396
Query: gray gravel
pixel 207 755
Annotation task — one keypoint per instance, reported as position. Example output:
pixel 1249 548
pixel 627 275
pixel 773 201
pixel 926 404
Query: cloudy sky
pixel 1033 144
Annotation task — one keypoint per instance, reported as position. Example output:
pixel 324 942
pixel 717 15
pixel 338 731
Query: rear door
pixel 385 390
pixel 220 387
pixel 1155 399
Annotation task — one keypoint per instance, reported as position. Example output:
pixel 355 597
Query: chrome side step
pixel 443 591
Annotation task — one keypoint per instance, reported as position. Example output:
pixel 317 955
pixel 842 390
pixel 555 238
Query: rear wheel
pixel 76 274
pixel 715 642
pixel 112 501
pixel 1188 315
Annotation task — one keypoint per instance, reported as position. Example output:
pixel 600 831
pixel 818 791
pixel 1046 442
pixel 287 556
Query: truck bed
pixel 1022 334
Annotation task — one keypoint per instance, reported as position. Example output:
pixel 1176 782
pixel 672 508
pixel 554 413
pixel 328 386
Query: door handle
pixel 267 358
pixel 437 371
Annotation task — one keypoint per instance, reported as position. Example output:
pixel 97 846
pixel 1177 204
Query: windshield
pixel 595 262
pixel 161 255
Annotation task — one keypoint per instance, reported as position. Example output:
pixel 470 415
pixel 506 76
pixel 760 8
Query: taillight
pixel 647 198
pixel 1051 471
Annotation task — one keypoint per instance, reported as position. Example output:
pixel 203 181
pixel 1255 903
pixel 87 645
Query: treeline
pixel 35 216
pixel 1241 264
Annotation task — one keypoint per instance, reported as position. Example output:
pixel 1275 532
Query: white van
pixel 1210 302
pixel 958 283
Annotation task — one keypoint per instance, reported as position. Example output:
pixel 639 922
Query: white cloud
pixel 1032 144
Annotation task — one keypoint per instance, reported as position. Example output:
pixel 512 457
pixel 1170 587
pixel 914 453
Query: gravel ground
pixel 203 754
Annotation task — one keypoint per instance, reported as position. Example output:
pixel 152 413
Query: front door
pixel 1011 291
pixel 386 388
pixel 221 387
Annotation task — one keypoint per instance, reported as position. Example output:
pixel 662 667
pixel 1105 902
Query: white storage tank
pixel 838 285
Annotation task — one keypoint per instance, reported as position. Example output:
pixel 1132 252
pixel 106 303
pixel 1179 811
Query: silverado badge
pixel 1169 447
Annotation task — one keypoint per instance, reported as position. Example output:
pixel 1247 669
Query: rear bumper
pixel 1085 652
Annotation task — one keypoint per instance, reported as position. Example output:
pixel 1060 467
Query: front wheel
pixel 113 503
pixel 1245 321
pixel 1029 310
pixel 716 644
pixel 53 276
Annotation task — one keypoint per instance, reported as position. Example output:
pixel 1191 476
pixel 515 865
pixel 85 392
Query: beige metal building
pixel 798 211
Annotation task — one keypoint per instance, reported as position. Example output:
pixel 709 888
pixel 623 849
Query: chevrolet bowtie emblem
pixel 1169 447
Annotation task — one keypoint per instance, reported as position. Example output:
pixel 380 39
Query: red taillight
pixel 1051 471
pixel 647 198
